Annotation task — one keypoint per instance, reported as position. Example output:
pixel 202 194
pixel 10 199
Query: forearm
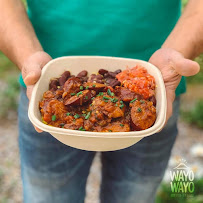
pixel 17 37
pixel 187 36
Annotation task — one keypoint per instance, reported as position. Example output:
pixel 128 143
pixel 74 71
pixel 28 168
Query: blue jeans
pixel 55 173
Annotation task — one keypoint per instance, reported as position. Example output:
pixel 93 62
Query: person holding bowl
pixel 147 30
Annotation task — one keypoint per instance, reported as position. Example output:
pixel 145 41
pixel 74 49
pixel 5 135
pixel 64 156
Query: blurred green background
pixel 190 114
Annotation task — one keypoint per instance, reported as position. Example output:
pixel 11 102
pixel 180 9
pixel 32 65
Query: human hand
pixel 172 65
pixel 31 71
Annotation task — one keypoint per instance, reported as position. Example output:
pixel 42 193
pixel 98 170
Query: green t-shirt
pixel 121 28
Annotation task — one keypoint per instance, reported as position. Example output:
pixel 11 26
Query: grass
pixel 195 115
pixel 9 96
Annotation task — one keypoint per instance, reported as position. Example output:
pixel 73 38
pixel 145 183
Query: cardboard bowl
pixel 95 141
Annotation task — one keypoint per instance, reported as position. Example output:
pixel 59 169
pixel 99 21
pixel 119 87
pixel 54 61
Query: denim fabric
pixel 55 173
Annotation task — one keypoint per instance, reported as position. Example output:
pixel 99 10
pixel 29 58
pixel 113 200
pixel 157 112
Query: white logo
pixel 182 180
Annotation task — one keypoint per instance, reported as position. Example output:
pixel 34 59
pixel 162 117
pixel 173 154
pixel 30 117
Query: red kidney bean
pixel 102 71
pixel 112 74
pixel 100 77
pixel 64 77
pixel 84 79
pixel 112 82
pixel 53 84
pixel 82 74
pixel 117 71
pixel 153 100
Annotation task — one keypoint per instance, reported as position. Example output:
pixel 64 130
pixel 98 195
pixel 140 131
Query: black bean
pixel 82 74
pixel 53 84
pixel 102 71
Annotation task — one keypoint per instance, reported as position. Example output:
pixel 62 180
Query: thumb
pixel 186 67
pixel 32 74
pixel 31 70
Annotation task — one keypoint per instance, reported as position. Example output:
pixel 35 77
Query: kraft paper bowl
pixel 95 141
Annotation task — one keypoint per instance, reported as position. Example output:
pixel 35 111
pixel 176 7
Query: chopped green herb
pixel 106 101
pixel 121 102
pixel 116 104
pixel 86 97
pixel 100 94
pixel 110 130
pixel 68 114
pixel 93 98
pixel 79 93
pixel 87 87
pixel 139 109
pixel 82 129
pixel 84 114
pixel 90 104
pixel 76 116
pixel 121 125
pixel 72 94
pixel 62 124
pixel 53 118
pixel 142 101
pixel 94 85
pixel 110 93
pixel 121 106
pixel 88 115
pixel 81 87
pixel 114 100
pixel 107 98
pixel 133 100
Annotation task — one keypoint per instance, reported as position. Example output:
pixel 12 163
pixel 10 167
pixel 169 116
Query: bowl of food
pixel 99 103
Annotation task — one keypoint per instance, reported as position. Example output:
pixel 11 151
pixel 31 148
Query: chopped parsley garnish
pixel 82 129
pixel 76 116
pixel 121 125
pixel 116 104
pixel 142 101
pixel 121 106
pixel 133 100
pixel 68 114
pixel 114 100
pixel 110 93
pixel 79 93
pixel 106 98
pixel 81 87
pixel 93 98
pixel 90 104
pixel 72 93
pixel 139 109
pixel 86 97
pixel 110 130
pixel 53 118
pixel 94 85
pixel 121 102
pixel 84 114
pixel 87 87
pixel 88 115
pixel 100 94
